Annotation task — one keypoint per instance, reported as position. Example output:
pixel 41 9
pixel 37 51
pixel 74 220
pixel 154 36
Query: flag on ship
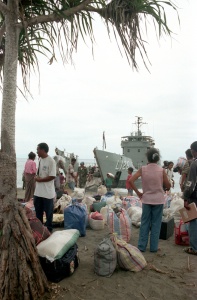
pixel 104 141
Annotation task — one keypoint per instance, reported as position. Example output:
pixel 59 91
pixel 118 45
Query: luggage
pixel 75 217
pixel 63 267
pixel 129 257
pixel 105 258
pixel 167 228
pixel 120 223
pixel 96 221
pixel 40 232
pixel 58 244
pixel 181 233
pixel 98 205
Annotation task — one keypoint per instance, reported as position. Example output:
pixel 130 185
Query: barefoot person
pixel 153 179
pixel 45 188
pixel 190 195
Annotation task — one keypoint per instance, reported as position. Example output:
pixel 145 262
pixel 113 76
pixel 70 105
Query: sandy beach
pixel 170 273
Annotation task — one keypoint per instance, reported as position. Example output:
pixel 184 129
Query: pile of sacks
pixel 58 252
pixel 176 204
pixel 114 252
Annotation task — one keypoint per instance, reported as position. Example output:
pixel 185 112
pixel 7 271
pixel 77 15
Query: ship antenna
pixel 139 123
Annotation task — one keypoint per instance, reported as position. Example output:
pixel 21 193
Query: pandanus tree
pixel 28 28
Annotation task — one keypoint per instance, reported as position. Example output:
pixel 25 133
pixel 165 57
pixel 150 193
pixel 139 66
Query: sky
pixel 74 104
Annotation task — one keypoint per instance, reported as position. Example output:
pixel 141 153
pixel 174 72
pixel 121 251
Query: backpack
pixel 105 258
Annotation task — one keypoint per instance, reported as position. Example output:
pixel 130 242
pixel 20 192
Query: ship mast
pixel 139 123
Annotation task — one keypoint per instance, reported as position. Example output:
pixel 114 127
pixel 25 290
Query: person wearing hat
pixel 82 175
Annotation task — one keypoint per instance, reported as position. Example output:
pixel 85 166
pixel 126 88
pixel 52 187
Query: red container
pixel 181 234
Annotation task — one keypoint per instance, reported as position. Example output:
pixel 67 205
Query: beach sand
pixel 170 274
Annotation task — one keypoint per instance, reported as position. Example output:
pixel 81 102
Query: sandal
pixel 190 251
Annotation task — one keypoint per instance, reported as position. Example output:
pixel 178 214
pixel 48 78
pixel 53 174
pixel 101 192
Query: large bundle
pixel 62 267
pixel 131 201
pixel 75 218
pixel 59 254
pixel 96 221
pixel 120 223
pixel 120 192
pixel 104 212
pixel 62 203
pixel 40 232
pixel 58 244
pixel 105 258
pixel 175 205
pixel 88 201
pixel 98 205
pixel 102 190
pixel 129 257
pixel 135 214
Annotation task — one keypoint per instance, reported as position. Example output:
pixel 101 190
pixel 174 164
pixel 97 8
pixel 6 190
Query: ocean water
pixel 88 162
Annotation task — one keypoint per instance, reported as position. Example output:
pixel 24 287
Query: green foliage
pixel 65 20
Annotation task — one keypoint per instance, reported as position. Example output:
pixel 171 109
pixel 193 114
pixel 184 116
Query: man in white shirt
pixel 45 188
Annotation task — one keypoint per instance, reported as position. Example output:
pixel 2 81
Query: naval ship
pixel 134 148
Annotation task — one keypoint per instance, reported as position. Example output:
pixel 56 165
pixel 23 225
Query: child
pixel 128 186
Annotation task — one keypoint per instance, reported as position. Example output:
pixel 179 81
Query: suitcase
pixel 63 267
pixel 167 229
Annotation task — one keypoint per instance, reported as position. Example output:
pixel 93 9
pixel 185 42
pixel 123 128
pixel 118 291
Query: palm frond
pixel 126 17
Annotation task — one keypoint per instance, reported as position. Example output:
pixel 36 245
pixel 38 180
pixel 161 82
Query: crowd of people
pixel 156 180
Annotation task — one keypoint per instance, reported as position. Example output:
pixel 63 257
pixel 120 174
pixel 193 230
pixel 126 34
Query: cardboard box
pixel 167 229
pixel 189 215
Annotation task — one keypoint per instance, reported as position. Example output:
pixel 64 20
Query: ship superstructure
pixel 136 145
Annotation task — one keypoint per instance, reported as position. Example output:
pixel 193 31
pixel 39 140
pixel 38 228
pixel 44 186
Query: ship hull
pixel 116 164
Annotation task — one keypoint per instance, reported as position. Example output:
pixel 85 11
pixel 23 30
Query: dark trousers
pixel 44 205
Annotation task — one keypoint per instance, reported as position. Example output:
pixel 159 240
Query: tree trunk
pixel 21 276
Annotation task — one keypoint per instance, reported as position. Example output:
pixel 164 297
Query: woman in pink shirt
pixel 30 172
pixel 153 179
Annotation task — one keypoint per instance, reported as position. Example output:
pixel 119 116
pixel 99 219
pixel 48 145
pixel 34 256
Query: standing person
pixel 62 180
pixel 71 175
pixel 169 172
pixel 185 169
pixel 128 185
pixel 109 181
pixel 153 179
pixel 190 196
pixel 29 173
pixel 45 188
pixel 82 173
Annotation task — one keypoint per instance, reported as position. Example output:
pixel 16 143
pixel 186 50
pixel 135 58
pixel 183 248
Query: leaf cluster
pixel 69 21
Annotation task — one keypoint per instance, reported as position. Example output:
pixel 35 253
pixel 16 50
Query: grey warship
pixel 136 145
pixel 134 148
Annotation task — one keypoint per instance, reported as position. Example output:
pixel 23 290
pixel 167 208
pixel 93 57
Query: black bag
pixel 63 267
